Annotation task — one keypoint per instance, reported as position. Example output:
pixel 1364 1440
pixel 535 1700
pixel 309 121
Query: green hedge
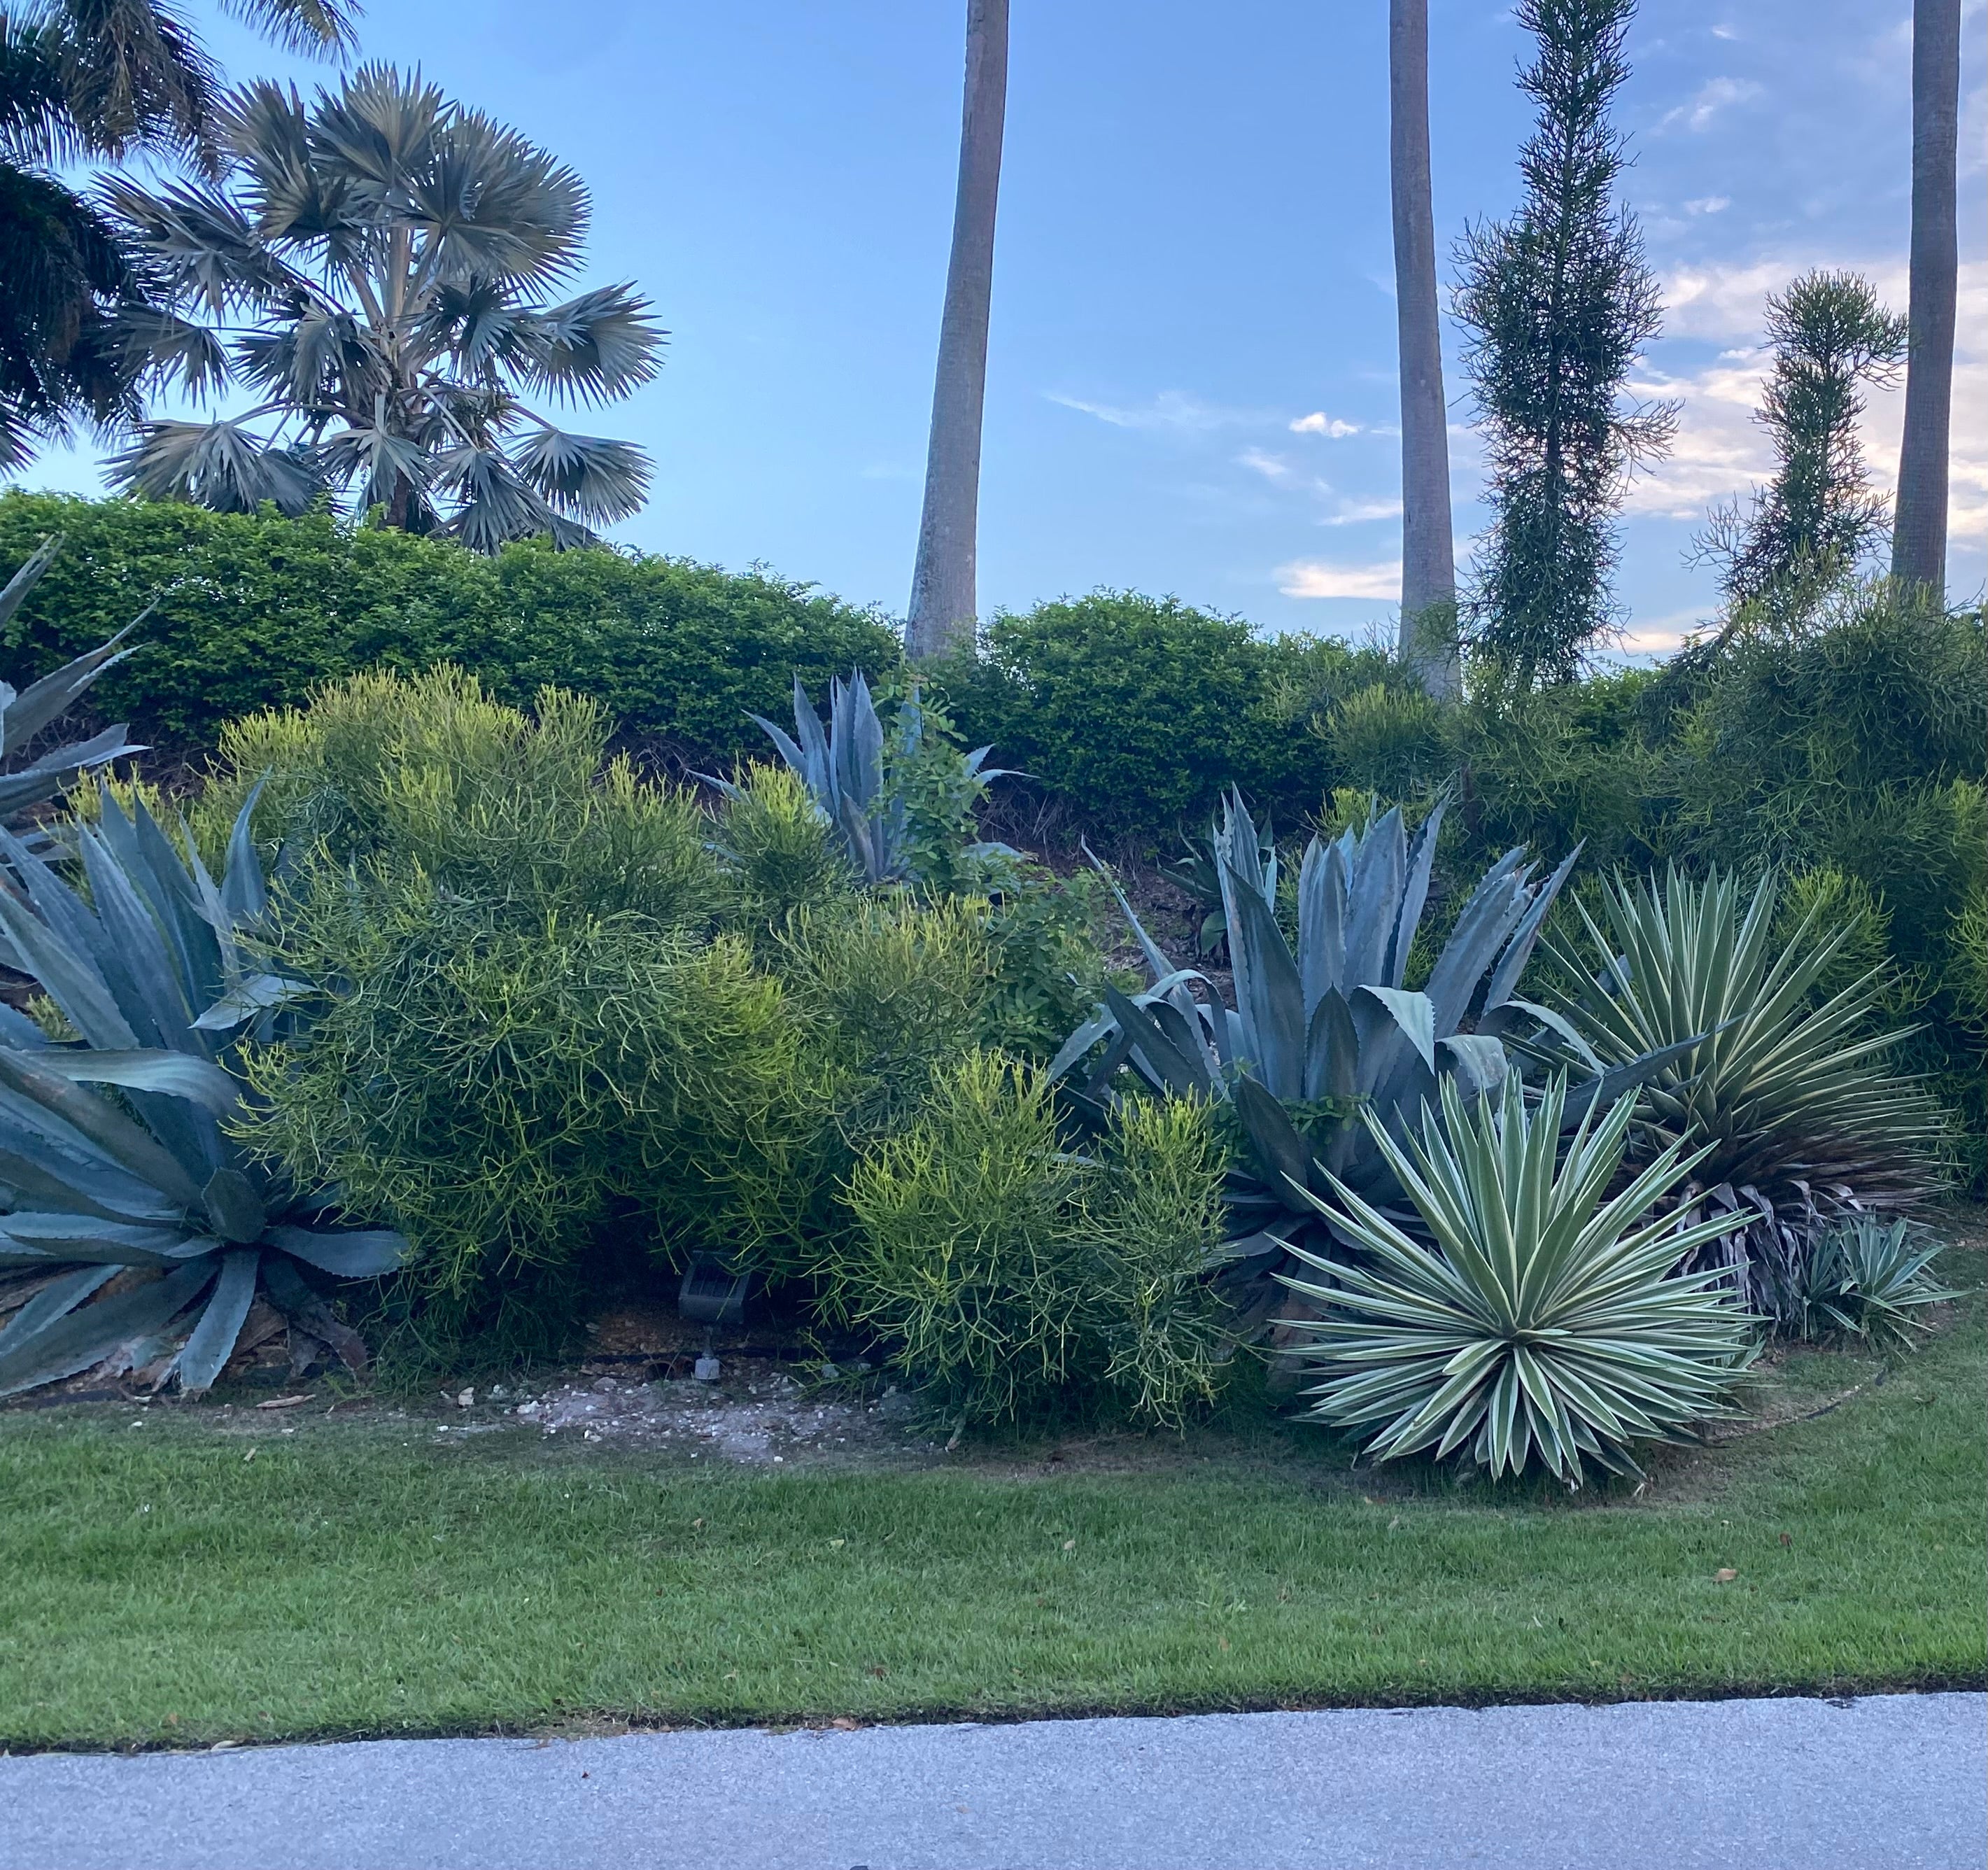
pixel 253 611
pixel 1142 712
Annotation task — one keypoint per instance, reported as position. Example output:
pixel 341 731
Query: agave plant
pixel 1802 1120
pixel 849 768
pixel 1318 1037
pixel 1866 1279
pixel 135 1233
pixel 1547 1321
pixel 25 712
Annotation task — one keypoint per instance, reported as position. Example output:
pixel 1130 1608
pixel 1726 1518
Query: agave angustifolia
pixel 1804 1121
pixel 149 973
pixel 24 713
pixel 1547 1320
pixel 846 768
pixel 1318 1037
pixel 1866 1279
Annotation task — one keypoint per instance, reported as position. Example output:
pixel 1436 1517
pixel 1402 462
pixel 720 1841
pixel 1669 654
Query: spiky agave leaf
pixel 1546 1323
pixel 152 1182
pixel 1802 1117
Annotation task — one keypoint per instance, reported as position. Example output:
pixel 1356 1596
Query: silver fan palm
pixel 377 268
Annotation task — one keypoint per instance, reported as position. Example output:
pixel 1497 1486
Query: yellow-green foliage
pixel 1010 1270
pixel 428 773
pixel 498 1092
pixel 779 853
pixel 1388 739
pixel 888 988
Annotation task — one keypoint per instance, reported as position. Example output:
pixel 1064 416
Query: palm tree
pixel 375 269
pixel 944 601
pixel 1428 562
pixel 1919 527
pixel 105 78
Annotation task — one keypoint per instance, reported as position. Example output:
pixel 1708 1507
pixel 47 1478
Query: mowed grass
pixel 163 1588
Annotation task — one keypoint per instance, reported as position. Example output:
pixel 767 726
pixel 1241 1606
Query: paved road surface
pixel 1883 1784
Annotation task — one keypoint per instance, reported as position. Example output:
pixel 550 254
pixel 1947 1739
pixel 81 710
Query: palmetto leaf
pixel 598 346
pixel 223 466
pixel 585 475
pixel 1543 1319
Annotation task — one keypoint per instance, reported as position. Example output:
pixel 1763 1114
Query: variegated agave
pixel 24 713
pixel 135 1233
pixel 1546 1322
pixel 1804 1121
pixel 844 768
pixel 1319 1037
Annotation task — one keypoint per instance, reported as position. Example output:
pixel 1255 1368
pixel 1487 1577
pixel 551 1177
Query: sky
pixel 1191 385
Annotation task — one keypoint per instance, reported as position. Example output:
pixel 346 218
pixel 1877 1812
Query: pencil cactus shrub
pixel 506 1096
pixel 1015 1275
pixel 1799 1119
pixel 524 811
pixel 1533 1318
pixel 137 1231
pixel 777 850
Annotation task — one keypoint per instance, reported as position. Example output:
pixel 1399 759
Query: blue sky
pixel 1191 381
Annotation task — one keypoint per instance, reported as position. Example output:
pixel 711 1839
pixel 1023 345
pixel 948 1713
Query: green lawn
pixel 356 1580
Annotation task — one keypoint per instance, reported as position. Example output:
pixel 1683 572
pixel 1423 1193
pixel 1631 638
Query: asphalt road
pixel 1880 1784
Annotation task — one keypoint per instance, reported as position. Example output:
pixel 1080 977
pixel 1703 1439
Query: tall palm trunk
pixel 944 601
pixel 1919 535
pixel 1428 564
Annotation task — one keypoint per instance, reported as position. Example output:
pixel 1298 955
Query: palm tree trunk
pixel 1428 564
pixel 944 600
pixel 1919 534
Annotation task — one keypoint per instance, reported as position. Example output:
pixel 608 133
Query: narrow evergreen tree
pixel 1819 515
pixel 1557 301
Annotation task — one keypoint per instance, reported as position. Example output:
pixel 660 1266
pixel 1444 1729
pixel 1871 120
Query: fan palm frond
pixel 220 465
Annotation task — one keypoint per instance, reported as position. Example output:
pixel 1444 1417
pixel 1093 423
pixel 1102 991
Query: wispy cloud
pixel 1358 512
pixel 1271 467
pixel 1319 423
pixel 1658 636
pixel 1715 95
pixel 1171 410
pixel 1709 204
pixel 1316 578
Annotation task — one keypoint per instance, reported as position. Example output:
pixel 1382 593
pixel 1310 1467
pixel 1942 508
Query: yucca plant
pixel 1546 1323
pixel 856 770
pixel 25 712
pixel 1802 1119
pixel 1869 1280
pixel 149 973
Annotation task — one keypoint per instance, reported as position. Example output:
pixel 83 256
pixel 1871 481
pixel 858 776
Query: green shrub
pixel 1389 740
pixel 253 611
pixel 1870 1281
pixel 503 1093
pixel 778 853
pixel 1048 965
pixel 428 774
pixel 1141 710
pixel 1012 1274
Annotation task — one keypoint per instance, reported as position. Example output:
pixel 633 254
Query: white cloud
pixel 1709 204
pixel 1171 409
pixel 1715 95
pixel 1356 513
pixel 1319 423
pixel 1315 578
pixel 1271 467
pixel 1658 636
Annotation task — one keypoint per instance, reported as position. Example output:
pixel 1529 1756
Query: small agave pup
pixel 848 769
pixel 145 1188
pixel 1548 1320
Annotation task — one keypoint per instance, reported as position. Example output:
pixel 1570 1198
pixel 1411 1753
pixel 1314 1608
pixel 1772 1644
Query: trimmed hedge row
pixel 253 611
